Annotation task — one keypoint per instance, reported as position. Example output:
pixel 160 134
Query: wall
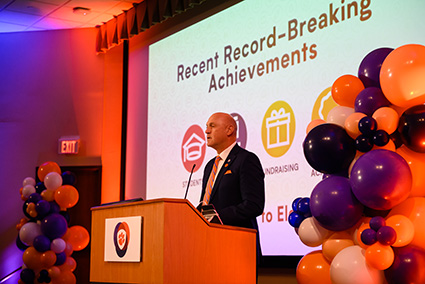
pixel 51 85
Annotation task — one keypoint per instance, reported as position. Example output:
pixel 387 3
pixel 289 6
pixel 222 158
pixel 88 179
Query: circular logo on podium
pixel 121 238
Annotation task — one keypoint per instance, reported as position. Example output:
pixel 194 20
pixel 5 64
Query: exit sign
pixel 69 145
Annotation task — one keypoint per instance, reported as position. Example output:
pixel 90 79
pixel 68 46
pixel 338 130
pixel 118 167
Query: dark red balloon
pixel 412 128
pixel 408 266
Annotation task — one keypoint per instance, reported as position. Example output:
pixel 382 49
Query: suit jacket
pixel 238 192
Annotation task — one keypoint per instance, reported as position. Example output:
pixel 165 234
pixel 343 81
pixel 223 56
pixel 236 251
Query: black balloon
pixel 329 149
pixel 381 138
pixel 20 244
pixel 68 178
pixel 363 143
pixel 412 128
pixel 39 187
pixel 368 126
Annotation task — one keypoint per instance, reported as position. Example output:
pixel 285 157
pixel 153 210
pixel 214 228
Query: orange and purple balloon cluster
pixel 367 213
pixel 43 234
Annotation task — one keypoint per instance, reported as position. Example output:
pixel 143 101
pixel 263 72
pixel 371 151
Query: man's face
pixel 216 132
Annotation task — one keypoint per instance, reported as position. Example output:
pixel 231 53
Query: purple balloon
pixel 41 243
pixel 60 258
pixel 42 207
pixel 412 128
pixel 54 226
pixel 376 223
pixel 381 179
pixel 370 67
pixel 333 204
pixel 368 237
pixel 407 267
pixel 34 198
pixel 386 235
pixel 369 100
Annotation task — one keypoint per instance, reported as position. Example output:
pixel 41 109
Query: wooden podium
pixel 178 246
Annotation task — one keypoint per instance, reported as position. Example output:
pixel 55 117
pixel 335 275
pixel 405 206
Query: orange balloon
pixel 46 168
pixel 68 248
pixel 386 119
pixel 314 123
pixel 48 195
pixel 335 243
pixel 379 256
pixel 78 237
pixel 345 90
pixel 65 277
pixel 416 162
pixel 404 229
pixel 69 265
pixel 47 259
pixel 66 196
pixel 31 258
pixel 399 110
pixel 352 124
pixel 54 272
pixel 414 209
pixel 402 75
pixel 313 268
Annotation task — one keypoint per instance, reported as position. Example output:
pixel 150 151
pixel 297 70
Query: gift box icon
pixel 278 129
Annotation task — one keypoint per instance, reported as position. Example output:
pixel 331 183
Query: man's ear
pixel 230 130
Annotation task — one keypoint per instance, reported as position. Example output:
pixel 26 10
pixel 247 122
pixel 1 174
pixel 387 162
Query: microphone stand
pixel 188 183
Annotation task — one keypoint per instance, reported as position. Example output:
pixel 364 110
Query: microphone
pixel 188 182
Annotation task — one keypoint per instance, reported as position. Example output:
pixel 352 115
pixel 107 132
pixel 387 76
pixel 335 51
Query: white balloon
pixel 28 181
pixel 339 114
pixel 349 267
pixel 28 190
pixel 28 232
pixel 58 245
pixel 52 180
pixel 311 233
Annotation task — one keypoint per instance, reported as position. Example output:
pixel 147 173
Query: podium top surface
pixel 127 203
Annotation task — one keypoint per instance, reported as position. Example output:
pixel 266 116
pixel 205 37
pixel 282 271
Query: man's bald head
pixel 221 131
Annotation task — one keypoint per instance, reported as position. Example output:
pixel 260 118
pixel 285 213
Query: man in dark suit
pixel 238 187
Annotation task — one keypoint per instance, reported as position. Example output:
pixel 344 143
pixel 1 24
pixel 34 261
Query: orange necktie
pixel 211 182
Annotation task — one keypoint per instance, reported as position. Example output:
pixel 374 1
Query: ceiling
pixel 36 15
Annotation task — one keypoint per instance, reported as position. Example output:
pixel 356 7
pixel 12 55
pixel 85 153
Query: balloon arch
pixel 368 211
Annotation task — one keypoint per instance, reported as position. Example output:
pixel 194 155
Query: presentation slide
pixel 271 65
